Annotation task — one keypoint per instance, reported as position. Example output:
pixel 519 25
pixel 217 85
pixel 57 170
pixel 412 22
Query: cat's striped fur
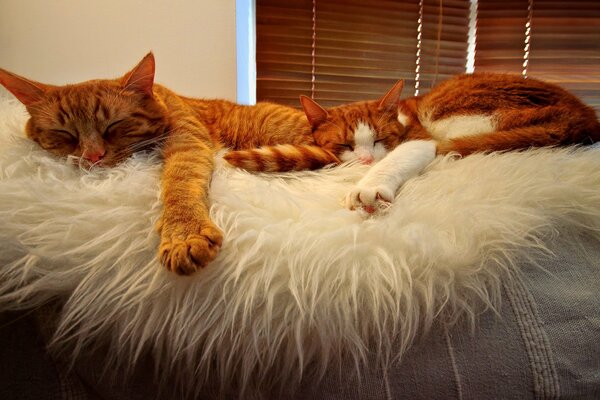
pixel 465 114
pixel 102 122
pixel 336 134
pixel 282 157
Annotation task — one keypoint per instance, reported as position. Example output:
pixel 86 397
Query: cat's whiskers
pixel 145 143
pixel 131 149
pixel 81 162
pixel 142 144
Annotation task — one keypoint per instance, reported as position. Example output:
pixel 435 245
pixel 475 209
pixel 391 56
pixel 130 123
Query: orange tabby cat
pixel 362 131
pixel 465 114
pixel 102 122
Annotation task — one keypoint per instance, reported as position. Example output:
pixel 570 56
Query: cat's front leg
pixel 380 184
pixel 189 239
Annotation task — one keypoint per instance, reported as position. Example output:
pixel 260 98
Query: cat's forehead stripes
pixel 84 102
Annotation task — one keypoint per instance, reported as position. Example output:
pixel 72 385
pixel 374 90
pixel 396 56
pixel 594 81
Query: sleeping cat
pixel 469 113
pixel 102 122
pixel 475 113
pixel 362 131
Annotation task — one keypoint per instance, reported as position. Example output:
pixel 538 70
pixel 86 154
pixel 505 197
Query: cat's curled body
pixel 481 112
pixel 469 113
pixel 102 122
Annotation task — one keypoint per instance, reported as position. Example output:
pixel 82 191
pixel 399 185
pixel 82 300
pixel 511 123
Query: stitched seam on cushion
pixel 457 379
pixel 545 378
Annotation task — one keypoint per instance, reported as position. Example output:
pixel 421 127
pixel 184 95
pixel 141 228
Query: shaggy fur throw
pixel 300 282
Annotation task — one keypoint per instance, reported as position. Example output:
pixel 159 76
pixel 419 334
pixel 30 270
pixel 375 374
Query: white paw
pixel 369 199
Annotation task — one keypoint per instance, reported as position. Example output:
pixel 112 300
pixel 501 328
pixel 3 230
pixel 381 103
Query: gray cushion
pixel 542 344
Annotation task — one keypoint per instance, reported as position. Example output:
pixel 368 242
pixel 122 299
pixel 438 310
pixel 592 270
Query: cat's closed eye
pixel 346 145
pixel 64 133
pixel 111 127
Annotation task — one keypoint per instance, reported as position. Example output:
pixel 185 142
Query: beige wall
pixel 63 41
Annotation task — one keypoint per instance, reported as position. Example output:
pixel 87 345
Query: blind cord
pixel 438 42
pixel 527 37
pixel 313 53
pixel 472 37
pixel 419 36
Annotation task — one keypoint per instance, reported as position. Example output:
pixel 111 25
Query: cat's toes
pixel 186 256
pixel 369 199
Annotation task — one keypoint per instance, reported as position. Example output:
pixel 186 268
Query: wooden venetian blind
pixel 283 50
pixel 445 41
pixel 564 45
pixel 500 35
pixel 339 51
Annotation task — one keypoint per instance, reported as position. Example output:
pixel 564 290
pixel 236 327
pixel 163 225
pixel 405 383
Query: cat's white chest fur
pixel 459 125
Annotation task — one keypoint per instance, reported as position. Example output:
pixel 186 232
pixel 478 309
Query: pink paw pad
pixel 369 209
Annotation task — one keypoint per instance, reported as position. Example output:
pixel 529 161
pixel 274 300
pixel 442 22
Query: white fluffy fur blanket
pixel 300 281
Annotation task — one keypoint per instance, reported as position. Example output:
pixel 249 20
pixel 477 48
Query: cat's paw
pixel 184 255
pixel 369 199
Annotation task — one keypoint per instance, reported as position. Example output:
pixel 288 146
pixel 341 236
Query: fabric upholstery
pixel 542 344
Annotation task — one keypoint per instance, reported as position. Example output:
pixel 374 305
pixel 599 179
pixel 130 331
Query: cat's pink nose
pixel 94 156
pixel 366 159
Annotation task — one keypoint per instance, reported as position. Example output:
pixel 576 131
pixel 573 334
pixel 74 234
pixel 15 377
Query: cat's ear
pixel 28 92
pixel 392 97
pixel 141 77
pixel 314 112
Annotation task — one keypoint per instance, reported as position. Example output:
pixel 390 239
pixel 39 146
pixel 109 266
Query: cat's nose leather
pixel 95 156
pixel 366 160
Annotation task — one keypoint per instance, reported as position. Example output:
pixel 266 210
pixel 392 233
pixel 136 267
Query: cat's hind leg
pixel 513 139
pixel 525 128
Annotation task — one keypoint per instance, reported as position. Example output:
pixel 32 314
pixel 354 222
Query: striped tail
pixel 281 158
